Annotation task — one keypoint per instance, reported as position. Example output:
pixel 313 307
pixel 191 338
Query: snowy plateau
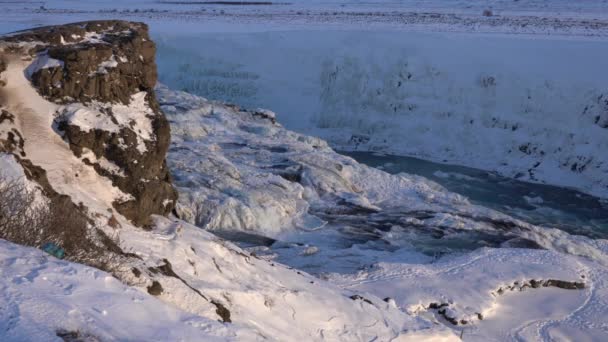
pixel 426 170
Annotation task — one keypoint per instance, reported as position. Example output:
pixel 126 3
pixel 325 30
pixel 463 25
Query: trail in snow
pixel 45 147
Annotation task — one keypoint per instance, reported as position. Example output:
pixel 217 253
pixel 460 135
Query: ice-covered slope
pixel 239 170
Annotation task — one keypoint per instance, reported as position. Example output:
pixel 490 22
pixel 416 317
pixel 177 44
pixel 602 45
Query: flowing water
pixel 350 240
pixel 543 205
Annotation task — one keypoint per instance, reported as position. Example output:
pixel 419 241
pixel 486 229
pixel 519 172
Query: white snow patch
pixel 103 163
pixel 110 63
pixel 134 116
pixel 42 61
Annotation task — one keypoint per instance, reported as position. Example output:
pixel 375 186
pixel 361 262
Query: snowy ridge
pixel 493 288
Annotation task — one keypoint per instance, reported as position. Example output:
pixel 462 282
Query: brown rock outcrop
pixel 98 64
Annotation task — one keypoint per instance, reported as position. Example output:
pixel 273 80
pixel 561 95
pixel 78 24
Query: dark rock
pixel 82 78
pixel 358 297
pixel 436 306
pixel 222 311
pixel 167 270
pixel 452 320
pixel 264 115
pixel 76 336
pixel 13 143
pixel 2 69
pixel 6 116
pixel 155 289
pixel 520 242
pixel 566 285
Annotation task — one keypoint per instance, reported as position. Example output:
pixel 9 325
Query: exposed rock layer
pixel 97 64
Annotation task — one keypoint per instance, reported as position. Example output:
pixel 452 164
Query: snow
pixel 45 148
pixel 225 170
pixel 246 174
pixel 42 61
pixel 324 240
pixel 264 298
pixel 471 283
pixel 270 298
pixel 228 161
pixel 135 116
pixel 110 63
pixel 306 59
pixel 102 162
pixel 41 295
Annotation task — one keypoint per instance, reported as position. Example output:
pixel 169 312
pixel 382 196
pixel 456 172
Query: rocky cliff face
pixel 101 75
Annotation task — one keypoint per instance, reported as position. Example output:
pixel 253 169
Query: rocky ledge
pixel 101 76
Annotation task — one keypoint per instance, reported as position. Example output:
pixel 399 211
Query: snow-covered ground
pixel 587 17
pixel 331 249
pixel 42 297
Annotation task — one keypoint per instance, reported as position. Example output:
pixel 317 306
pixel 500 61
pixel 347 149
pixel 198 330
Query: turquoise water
pixel 544 205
